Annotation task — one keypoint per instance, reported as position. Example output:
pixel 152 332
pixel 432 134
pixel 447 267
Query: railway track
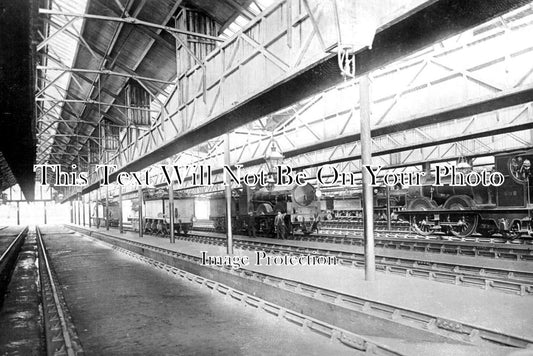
pixel 500 279
pixel 474 247
pixel 457 330
pixel 60 334
pixel 514 252
pixel 356 232
pixel 354 228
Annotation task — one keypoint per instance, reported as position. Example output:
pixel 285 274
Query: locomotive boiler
pixel 298 205
pixel 504 208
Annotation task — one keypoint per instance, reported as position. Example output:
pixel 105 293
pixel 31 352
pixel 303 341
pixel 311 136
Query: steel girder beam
pixel 510 130
pixel 115 62
pixel 352 166
pixel 457 116
pixel 469 145
pixel 130 20
pixel 102 62
pixel 473 63
pixel 435 22
pixel 103 72
pixel 470 108
pixel 146 30
pixel 94 102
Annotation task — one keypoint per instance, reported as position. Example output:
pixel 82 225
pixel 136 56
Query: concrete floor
pixel 123 307
pixel 494 310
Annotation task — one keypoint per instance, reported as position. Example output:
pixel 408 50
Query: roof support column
pixel 97 217
pixel 44 210
pixel 78 204
pixel 107 207
pixel 140 212
pixel 366 159
pixel 228 195
pixel 171 211
pixel 389 225
pixel 120 218
pixel 89 206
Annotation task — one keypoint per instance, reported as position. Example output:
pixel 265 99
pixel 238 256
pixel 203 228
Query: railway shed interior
pixel 266 176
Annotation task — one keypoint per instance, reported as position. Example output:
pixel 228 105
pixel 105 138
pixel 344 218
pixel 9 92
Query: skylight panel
pixel 241 21
pixel 61 49
pixel 254 8
pixel 264 3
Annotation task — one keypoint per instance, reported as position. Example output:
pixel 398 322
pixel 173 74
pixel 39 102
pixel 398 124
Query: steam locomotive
pixel 506 209
pixel 299 206
pixel 458 210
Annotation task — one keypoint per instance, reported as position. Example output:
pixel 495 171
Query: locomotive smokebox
pixel 303 195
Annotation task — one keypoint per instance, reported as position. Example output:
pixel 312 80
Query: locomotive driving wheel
pixel 513 232
pixel 462 224
pixel 421 225
pixel 420 222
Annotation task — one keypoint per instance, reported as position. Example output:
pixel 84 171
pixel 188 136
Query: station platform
pixel 5 240
pixel 6 231
pixel 500 312
pixel 8 234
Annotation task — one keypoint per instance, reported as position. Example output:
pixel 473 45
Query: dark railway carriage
pixel 462 210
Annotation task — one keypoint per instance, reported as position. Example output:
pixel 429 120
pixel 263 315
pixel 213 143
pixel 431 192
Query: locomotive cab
pixel 515 195
pixel 516 189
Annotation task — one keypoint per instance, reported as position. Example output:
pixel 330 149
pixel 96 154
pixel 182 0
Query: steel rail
pixel 398 240
pixel 68 345
pixel 356 227
pixel 405 241
pixel 466 275
pixel 420 320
